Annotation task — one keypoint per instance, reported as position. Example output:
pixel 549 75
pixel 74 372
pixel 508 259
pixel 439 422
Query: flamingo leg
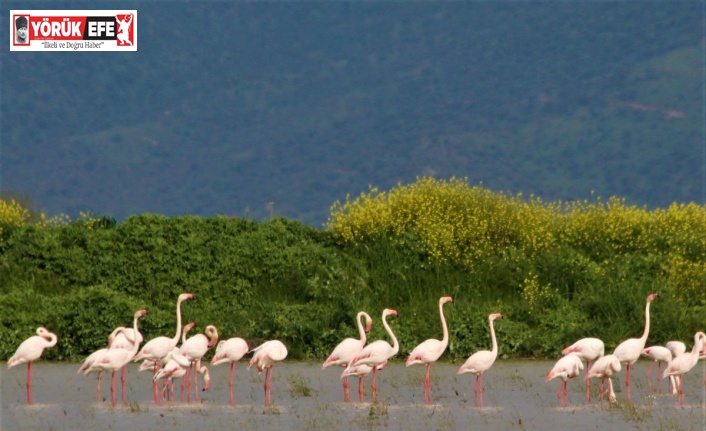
pixel 588 383
pixel 627 382
pixel 123 376
pixel 155 389
pixel 29 382
pixel 427 385
pixel 681 391
pixel 375 387
pixel 98 386
pixel 647 374
pixel 230 381
pixel 360 388
pixel 112 389
pixel 659 373
pixel 196 365
pixel 268 386
pixel 346 392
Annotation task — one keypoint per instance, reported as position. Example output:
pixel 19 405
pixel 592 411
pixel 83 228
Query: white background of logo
pixel 71 45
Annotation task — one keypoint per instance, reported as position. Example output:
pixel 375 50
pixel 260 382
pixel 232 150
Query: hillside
pixel 227 107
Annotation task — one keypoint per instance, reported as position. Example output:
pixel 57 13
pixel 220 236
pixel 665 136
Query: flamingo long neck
pixel 492 337
pixel 175 340
pixel 361 329
pixel 444 328
pixel 647 323
pixel 135 345
pixel 698 344
pixel 395 343
pixel 52 339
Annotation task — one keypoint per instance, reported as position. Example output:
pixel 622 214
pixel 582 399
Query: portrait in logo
pixel 125 29
pixel 21 30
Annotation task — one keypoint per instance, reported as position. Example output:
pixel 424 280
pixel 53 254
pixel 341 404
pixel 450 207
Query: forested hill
pixel 227 107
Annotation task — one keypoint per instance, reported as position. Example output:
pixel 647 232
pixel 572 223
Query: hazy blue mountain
pixel 229 106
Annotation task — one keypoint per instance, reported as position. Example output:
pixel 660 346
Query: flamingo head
pixel 140 313
pixel 368 323
pixel 495 316
pixel 445 299
pixel 652 296
pixel 185 296
pixel 212 333
pixel 389 311
pixel 188 327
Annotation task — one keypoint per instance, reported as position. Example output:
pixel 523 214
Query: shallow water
pixel 516 398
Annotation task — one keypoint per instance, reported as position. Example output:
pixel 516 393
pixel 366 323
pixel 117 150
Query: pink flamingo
pixel 194 350
pixel 684 363
pixel 231 350
pixel 658 354
pixel 628 352
pixel 430 350
pixel 588 349
pixel 346 350
pixel 604 368
pixel 361 371
pixel 158 348
pixel 480 362
pixel 29 351
pixel 86 368
pixel 677 348
pixel 115 359
pixel 566 368
pixel 265 357
pixel 377 352
pixel 123 338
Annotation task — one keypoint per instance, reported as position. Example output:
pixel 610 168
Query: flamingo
pixel 677 348
pixel 123 338
pixel 377 352
pixel 86 368
pixel 158 348
pixel 231 350
pixel 480 362
pixel 430 350
pixel 265 356
pixel 588 349
pixel 568 367
pixel 628 352
pixel 684 363
pixel 115 359
pixel 194 350
pixel 348 348
pixel 29 351
pixel 361 371
pixel 604 368
pixel 658 354
pixel 175 366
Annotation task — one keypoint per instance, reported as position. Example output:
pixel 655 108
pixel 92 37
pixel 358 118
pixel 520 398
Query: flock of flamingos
pixel 169 361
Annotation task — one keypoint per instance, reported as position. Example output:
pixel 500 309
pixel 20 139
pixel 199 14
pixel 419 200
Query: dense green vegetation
pixel 557 272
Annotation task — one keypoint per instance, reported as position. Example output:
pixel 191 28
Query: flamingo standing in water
pixel 29 351
pixel 629 351
pixel 677 348
pixel 684 363
pixel 430 350
pixel 265 357
pixel 158 348
pixel 568 367
pixel 377 352
pixel 658 354
pixel 346 350
pixel 194 350
pixel 604 368
pixel 115 359
pixel 123 338
pixel 361 371
pixel 588 349
pixel 480 362
pixel 231 350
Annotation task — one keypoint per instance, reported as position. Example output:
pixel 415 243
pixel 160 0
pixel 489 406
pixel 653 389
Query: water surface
pixel 307 398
